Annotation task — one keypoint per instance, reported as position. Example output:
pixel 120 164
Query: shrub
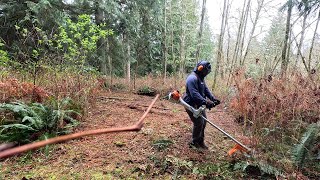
pixel 29 122
pixel 305 151
pixel 13 89
pixel 146 90
pixel 277 111
pixel 276 103
pixel 4 58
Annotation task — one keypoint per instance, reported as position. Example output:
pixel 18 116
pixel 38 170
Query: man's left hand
pixel 209 104
pixel 216 102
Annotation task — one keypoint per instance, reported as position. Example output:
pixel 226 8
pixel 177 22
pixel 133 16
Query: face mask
pixel 205 70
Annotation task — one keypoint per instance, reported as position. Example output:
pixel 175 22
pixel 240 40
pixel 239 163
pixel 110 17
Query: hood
pixel 203 68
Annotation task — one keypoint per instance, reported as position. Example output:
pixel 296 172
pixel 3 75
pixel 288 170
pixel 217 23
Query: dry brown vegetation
pixel 276 112
pixel 276 102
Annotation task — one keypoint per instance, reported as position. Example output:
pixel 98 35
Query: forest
pixel 104 68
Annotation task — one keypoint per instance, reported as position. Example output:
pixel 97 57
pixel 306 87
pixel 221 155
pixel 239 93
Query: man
pixel 198 94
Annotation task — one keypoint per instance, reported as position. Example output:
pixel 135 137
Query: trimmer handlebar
pixel 196 112
pixel 175 95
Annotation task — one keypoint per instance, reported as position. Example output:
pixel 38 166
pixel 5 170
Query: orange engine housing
pixel 175 95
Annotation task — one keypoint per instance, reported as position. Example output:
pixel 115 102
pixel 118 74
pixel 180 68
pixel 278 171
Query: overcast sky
pixel 214 10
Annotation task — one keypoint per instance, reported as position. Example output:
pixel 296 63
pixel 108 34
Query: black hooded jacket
pixel 196 89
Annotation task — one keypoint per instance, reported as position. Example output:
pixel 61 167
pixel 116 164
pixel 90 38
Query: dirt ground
pixel 159 151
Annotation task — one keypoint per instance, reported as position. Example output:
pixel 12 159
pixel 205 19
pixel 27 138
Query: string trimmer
pixel 176 97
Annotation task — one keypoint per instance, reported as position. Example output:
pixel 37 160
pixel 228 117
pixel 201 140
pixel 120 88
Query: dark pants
pixel 199 124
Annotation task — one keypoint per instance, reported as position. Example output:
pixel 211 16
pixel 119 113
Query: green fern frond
pixel 268 169
pixel 65 102
pixel 16 133
pixel 15 126
pixel 162 144
pixel 30 119
pixel 241 165
pixel 18 109
pixel 261 167
pixel 300 152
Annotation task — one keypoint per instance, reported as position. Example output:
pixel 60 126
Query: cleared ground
pixel 159 151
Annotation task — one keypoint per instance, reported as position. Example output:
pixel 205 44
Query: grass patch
pixel 162 144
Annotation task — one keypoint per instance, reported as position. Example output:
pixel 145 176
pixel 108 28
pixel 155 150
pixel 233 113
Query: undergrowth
pixel 11 89
pixel 24 123
pixel 277 111
pixel 162 144
pixel 307 151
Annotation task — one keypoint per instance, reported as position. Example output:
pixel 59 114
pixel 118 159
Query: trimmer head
pixel 236 148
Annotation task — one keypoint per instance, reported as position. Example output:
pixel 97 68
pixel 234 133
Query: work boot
pixel 194 145
pixel 203 146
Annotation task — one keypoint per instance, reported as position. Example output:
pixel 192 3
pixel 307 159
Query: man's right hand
pixel 210 104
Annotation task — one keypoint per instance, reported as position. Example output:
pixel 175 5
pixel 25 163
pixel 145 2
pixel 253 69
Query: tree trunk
pixel 220 42
pixel 301 39
pixel 172 46
pixel 200 30
pixel 165 43
pixel 243 31
pixel 260 5
pixel 109 61
pixel 289 46
pixel 123 51
pixel 182 39
pixel 228 67
pixel 100 44
pixel 223 64
pixel 102 54
pixel 236 49
pixel 276 62
pixel 284 60
pixel 312 42
pixel 306 66
pixel 182 52
pixel 128 62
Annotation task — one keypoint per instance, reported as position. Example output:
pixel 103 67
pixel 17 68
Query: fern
pixel 162 144
pixel 268 169
pixel 16 132
pixel 301 151
pixel 258 168
pixel 32 121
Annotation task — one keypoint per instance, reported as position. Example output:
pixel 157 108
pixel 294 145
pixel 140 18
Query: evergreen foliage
pixel 162 144
pixel 258 169
pixel 29 122
pixel 4 59
pixel 49 31
pixel 302 152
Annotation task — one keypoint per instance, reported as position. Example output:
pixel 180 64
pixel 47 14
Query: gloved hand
pixel 210 104
pixel 216 102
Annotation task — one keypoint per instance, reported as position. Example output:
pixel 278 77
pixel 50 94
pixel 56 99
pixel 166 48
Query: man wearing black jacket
pixel 198 94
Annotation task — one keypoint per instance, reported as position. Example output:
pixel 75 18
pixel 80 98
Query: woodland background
pixel 55 55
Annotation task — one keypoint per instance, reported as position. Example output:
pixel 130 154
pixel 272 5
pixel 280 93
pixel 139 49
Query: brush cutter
pixel 175 96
